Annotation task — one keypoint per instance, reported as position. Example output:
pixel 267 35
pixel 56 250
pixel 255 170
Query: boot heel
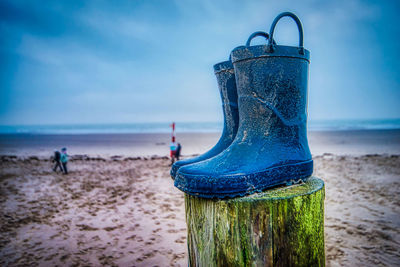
pixel 288 174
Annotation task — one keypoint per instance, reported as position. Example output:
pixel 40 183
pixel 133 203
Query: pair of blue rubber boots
pixel 264 141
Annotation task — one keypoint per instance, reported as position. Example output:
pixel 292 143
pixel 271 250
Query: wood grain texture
pixel 279 227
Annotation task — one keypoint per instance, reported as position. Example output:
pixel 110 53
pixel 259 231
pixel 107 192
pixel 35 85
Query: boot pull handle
pixel 271 45
pixel 255 34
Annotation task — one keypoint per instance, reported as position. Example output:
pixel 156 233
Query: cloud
pixel 152 60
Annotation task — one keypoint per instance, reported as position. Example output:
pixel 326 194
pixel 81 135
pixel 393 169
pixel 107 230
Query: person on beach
pixel 64 159
pixel 57 160
pixel 173 146
pixel 178 151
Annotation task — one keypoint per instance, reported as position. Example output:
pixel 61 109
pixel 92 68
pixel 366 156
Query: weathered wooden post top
pixel 242 208
pixel 278 227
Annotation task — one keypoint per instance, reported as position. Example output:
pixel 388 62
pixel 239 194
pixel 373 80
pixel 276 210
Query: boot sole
pixel 239 185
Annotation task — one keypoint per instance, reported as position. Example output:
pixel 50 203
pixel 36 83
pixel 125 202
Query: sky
pixel 79 62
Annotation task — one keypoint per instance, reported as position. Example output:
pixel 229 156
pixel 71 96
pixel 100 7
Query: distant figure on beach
pixel 173 147
pixel 57 160
pixel 178 151
pixel 64 159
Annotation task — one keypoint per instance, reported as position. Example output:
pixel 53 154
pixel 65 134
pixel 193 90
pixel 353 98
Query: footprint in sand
pixel 55 235
pixel 170 216
pixel 96 238
pixel 149 195
pixel 146 256
pixel 112 228
pixel 50 257
pixel 181 239
pixel 132 237
pixel 84 227
pixel 176 257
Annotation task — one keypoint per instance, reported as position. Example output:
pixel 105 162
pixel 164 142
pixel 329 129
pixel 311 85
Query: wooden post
pixel 279 227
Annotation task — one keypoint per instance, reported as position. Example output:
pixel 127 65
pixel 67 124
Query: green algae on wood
pixel 279 227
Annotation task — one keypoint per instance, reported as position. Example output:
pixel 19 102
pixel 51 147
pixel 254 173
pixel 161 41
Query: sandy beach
pixel 118 205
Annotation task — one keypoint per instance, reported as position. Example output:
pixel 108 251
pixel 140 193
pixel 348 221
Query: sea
pixel 199 127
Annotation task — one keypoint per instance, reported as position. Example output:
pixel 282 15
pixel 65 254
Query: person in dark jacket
pixel 57 160
pixel 178 151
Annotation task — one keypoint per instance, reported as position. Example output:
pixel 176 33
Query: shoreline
pixel 341 142
pixel 338 131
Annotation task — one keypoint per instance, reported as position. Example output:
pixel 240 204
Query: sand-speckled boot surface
pixel 270 147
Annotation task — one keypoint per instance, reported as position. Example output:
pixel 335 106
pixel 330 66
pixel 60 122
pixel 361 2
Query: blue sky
pixel 151 61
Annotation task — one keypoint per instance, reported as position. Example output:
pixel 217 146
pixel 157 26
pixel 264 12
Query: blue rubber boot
pixel 227 88
pixel 271 146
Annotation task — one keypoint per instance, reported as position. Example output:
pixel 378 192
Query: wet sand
pixel 124 210
pixel 359 142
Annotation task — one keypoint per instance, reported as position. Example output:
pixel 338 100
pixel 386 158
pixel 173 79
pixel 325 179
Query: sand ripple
pixel 121 211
